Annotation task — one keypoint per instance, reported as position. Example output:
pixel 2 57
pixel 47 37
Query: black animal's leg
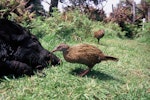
pixel 19 68
pixel 54 60
pixel 4 69
pixel 39 69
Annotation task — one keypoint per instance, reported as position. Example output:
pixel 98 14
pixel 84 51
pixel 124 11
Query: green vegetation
pixel 127 79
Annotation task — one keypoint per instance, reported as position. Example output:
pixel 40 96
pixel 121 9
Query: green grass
pixel 127 79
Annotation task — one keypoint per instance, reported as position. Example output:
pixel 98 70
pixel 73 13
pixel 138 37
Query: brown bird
pixel 99 34
pixel 86 54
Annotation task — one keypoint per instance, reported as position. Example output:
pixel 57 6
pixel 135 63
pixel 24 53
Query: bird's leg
pixel 98 40
pixel 85 72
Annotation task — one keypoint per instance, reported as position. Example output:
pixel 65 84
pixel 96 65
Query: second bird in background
pixel 99 34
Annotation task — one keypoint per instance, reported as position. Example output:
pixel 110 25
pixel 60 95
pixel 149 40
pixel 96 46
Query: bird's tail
pixel 110 58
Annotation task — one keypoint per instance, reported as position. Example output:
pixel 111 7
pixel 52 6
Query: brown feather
pixel 86 54
pixel 99 34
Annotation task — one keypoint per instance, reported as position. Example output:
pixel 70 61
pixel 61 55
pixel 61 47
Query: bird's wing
pixel 83 54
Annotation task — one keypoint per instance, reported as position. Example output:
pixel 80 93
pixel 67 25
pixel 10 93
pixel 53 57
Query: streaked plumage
pixel 86 54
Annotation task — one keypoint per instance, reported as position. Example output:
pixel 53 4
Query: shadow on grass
pixel 96 74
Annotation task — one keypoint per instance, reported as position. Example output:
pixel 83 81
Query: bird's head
pixel 61 47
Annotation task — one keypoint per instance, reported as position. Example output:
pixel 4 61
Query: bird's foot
pixel 84 73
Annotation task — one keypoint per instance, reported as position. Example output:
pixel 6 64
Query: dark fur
pixel 20 51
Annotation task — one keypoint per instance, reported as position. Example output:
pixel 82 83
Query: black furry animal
pixel 20 51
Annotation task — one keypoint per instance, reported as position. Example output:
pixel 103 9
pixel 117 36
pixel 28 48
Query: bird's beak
pixel 54 50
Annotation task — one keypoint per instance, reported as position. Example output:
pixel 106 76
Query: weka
pixel 99 34
pixel 83 54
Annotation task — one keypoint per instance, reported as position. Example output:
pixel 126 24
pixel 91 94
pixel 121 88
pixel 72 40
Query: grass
pixel 127 79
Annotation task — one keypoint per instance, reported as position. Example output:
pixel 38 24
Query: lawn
pixel 127 79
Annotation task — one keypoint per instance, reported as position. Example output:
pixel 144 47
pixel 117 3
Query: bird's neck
pixel 65 52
